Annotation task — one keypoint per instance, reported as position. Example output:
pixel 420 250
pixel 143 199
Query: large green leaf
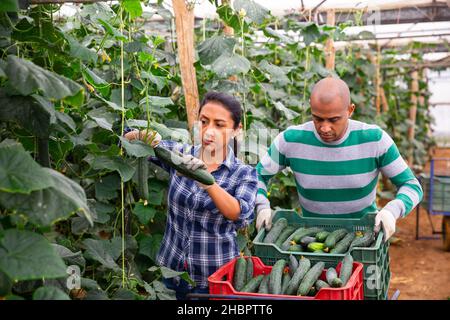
pixel 145 213
pixel 50 293
pixel 79 51
pixel 111 163
pixel 149 245
pixel 103 251
pixel 288 113
pixel 310 33
pixel 69 257
pixel 18 171
pixel 213 47
pixel 253 10
pixel 133 7
pixel 106 187
pixel 103 118
pixel 9 6
pixel 27 78
pixel 137 148
pixel 25 255
pixel 47 206
pixel 276 74
pixel 227 65
pixel 33 113
pixel 169 273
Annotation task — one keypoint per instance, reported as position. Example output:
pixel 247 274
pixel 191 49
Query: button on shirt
pixel 198 238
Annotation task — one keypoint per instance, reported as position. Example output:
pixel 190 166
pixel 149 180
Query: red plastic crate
pixel 220 283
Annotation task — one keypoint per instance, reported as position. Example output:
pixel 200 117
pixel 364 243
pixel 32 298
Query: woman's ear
pixel 237 131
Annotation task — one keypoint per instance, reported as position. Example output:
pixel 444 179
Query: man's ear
pixel 351 109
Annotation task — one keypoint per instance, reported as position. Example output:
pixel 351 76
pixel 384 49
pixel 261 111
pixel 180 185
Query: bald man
pixel 336 162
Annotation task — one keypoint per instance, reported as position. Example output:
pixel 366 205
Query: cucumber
pixel 332 278
pixel 249 269
pixel 276 230
pixel 312 292
pixel 142 171
pixel 174 160
pixel 276 277
pixel 303 266
pixel 43 152
pixel 315 246
pixel 322 236
pixel 321 284
pixel 285 282
pixel 253 284
pixel 306 232
pixel 284 235
pixel 343 245
pixel 287 243
pixel 307 240
pixel 240 270
pixel 310 278
pixel 264 286
pixel 364 241
pixel 295 248
pixel 293 264
pixel 334 238
pixel 346 269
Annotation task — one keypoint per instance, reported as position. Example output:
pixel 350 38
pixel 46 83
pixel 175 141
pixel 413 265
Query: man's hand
pixel 264 216
pixel 387 220
pixel 151 137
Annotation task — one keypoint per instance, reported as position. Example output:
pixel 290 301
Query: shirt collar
pixel 229 160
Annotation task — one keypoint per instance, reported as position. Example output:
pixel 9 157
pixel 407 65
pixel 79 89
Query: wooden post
pixel 329 47
pixel 184 24
pixel 412 113
pixel 378 81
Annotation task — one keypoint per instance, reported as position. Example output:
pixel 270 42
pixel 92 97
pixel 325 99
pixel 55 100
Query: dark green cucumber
pixel 312 292
pixel 285 282
pixel 276 230
pixel 264 286
pixel 303 266
pixel 315 246
pixel 43 152
pixel 249 270
pixel 307 240
pixel 293 264
pixel 346 269
pixel 284 235
pixel 253 284
pixel 332 278
pixel 310 278
pixel 322 236
pixel 287 243
pixel 334 237
pixel 343 245
pixel 276 277
pixel 174 160
pixel 364 241
pixel 240 272
pixel 142 171
pixel 320 284
pixel 307 232
pixel 295 248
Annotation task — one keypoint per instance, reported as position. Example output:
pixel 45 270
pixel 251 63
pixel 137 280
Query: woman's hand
pixel 151 137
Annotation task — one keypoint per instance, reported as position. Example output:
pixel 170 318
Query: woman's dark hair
pixel 228 102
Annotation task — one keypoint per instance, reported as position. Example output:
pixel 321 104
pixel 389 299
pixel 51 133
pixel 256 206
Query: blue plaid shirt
pixel 198 238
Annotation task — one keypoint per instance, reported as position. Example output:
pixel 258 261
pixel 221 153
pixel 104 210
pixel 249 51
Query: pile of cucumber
pixel 295 277
pixel 315 239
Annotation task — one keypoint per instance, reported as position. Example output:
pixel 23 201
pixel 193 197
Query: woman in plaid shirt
pixel 202 220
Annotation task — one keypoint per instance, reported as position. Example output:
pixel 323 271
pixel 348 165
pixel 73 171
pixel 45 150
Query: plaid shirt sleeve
pixel 246 195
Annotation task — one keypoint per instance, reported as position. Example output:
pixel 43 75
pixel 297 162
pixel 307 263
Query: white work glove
pixel 264 217
pixel 152 137
pixel 386 220
pixel 192 163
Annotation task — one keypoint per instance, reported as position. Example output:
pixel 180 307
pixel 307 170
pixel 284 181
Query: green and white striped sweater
pixel 340 177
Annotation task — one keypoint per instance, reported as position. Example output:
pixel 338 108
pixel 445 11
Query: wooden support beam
pixel 329 47
pixel 412 113
pixel 184 24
